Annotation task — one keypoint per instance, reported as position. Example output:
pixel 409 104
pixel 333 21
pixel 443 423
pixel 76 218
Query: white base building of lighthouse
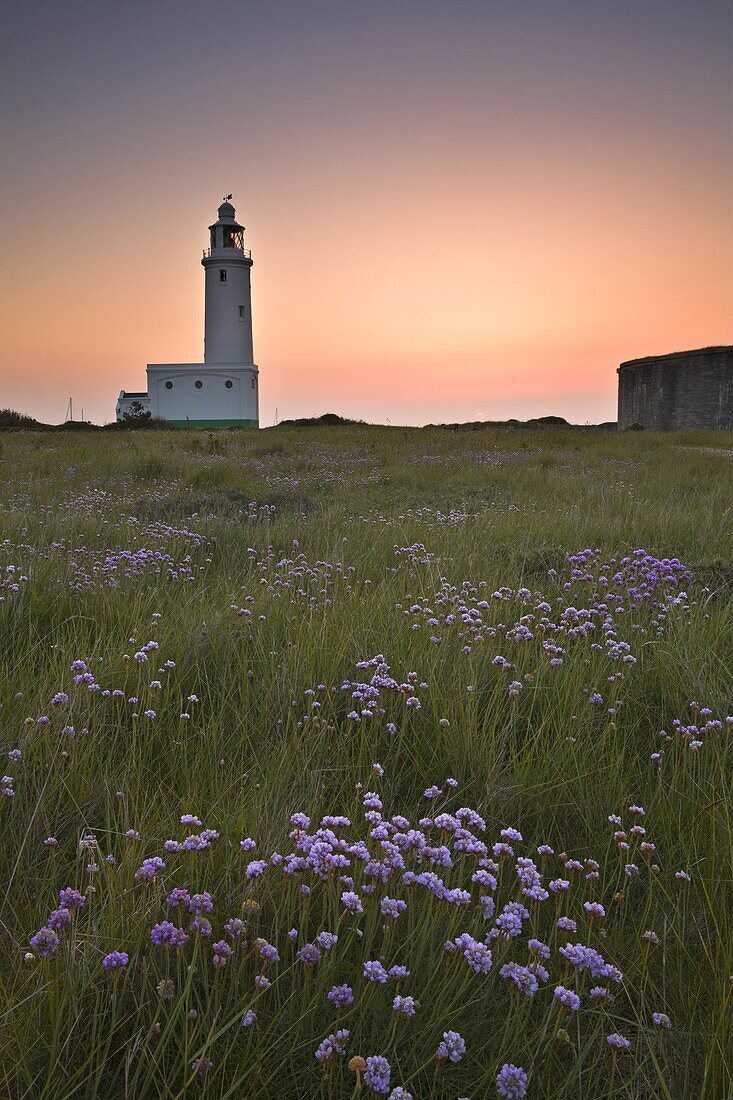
pixel 223 391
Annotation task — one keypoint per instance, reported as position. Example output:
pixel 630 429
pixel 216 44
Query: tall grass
pixel 277 562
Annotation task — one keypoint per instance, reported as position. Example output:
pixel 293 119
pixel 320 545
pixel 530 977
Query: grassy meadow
pixel 285 717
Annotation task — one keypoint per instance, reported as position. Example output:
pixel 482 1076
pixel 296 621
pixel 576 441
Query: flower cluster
pixel 441 868
pixel 46 941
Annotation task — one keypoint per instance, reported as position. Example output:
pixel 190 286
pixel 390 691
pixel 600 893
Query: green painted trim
pixel 215 423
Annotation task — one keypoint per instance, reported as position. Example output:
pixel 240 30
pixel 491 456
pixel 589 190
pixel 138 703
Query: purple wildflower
pixel 115 960
pixel 309 954
pixel 255 868
pixel 511 1082
pixel 201 903
pixel 477 954
pixel 222 953
pixel 234 927
pixel 523 978
pixel 405 1006
pixel 332 1045
pixel 586 958
pixel 452 1047
pixel 148 869
pixel 71 899
pixel 59 919
pixel 201 1066
pixel 618 1042
pixel 375 972
pixel 46 941
pixel 567 998
pixel 201 925
pixel 166 934
pixel 266 950
pixel 377 1074
pixel 392 907
pixel 341 996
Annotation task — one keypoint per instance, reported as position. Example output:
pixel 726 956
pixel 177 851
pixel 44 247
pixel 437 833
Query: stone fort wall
pixel 689 389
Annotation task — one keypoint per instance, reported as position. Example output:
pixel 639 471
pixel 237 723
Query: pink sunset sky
pixel 465 210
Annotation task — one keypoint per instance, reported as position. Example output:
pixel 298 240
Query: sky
pixel 457 209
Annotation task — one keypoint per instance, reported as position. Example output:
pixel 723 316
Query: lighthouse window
pixel 228 383
pixel 198 384
pixel 253 383
pixel 241 313
pixel 169 385
pixel 222 275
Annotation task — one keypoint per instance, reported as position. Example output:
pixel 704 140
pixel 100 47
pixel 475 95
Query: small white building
pixel 223 390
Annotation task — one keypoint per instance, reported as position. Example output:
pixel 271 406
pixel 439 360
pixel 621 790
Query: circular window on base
pixel 228 383
pixel 198 384
pixel 169 385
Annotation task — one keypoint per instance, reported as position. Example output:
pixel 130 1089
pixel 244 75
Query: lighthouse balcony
pixel 227 254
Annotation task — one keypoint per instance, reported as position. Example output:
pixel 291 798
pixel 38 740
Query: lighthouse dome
pixel 226 217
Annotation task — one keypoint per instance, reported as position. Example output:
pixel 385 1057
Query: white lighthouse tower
pixel 223 390
pixel 228 309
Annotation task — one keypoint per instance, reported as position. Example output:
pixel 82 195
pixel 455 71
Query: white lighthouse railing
pixel 246 252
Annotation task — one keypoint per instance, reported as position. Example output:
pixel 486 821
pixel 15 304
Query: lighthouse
pixel 223 390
